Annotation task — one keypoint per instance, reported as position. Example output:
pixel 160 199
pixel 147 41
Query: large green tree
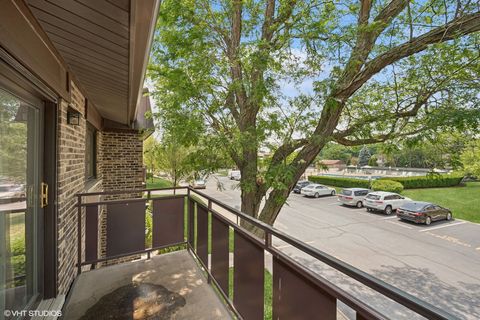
pixel 296 75
pixel 470 158
pixel 13 142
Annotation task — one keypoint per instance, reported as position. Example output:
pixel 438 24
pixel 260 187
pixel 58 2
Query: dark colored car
pixel 423 212
pixel 301 184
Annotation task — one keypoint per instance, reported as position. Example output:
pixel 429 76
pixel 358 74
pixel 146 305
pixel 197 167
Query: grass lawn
pixel 463 201
pixel 158 183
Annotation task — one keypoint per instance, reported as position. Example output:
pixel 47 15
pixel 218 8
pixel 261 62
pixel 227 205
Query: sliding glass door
pixel 21 145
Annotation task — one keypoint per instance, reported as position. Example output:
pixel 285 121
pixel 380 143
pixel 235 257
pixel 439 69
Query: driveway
pixel 439 263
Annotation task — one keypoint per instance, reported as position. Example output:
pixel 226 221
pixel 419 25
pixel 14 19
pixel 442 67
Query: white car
pixel 384 201
pixel 12 191
pixel 199 184
pixel 317 190
pixel 234 175
pixel 353 196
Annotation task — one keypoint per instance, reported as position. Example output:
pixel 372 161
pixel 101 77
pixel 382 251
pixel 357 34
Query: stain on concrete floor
pixel 138 301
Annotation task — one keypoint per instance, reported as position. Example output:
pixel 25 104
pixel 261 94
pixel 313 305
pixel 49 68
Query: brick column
pixel 121 158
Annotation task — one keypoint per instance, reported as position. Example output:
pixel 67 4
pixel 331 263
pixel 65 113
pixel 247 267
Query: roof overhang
pixel 105 45
pixel 143 18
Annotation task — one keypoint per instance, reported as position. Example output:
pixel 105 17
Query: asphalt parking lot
pixel 439 263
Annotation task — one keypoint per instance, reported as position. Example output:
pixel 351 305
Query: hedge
pixel 340 182
pixel 387 185
pixel 431 181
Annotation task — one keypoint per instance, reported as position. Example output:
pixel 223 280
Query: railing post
pixel 268 239
pixel 79 234
pixel 209 277
pixel 188 222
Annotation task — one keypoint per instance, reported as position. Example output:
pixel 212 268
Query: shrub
pixel 429 181
pixel 340 182
pixel 18 246
pixel 387 185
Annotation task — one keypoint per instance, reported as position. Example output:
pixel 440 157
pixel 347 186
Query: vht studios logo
pixel 32 313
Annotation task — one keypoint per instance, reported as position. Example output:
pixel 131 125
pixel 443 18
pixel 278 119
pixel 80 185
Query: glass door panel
pixel 20 212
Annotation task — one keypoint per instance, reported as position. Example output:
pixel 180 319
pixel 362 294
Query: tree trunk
pixel 250 198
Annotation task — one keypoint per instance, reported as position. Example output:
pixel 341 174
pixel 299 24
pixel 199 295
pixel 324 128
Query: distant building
pixel 333 164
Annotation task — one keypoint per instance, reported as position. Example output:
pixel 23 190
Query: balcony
pixel 210 266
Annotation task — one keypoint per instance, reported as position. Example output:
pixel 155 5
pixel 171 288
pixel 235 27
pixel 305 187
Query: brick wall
pixel 122 169
pixel 71 180
pixel 119 166
pixel 122 160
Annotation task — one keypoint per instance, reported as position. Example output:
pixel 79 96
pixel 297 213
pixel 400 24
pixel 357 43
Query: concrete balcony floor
pixel 168 286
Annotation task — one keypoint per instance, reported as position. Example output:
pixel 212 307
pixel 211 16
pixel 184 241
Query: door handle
pixel 44 195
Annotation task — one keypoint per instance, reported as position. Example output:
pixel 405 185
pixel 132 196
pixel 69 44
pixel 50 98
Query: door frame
pixel 50 266
pixel 19 81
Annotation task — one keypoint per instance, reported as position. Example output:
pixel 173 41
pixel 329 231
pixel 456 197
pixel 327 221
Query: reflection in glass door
pixel 20 212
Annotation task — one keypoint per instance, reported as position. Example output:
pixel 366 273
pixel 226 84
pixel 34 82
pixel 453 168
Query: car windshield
pixel 413 206
pixel 347 192
pixel 373 197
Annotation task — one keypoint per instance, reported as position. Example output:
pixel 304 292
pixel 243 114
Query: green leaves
pixel 255 76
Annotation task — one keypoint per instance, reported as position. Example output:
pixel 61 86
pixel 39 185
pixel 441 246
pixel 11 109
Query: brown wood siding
pixel 93 37
pixel 23 38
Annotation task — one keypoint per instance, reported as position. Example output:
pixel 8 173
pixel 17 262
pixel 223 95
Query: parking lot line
pixel 445 226
pixel 400 224
pixel 331 204
pixel 388 218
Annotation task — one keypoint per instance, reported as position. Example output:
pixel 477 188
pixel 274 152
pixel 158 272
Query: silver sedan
pixel 317 190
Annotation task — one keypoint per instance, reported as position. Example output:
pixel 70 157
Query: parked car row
pixel 387 202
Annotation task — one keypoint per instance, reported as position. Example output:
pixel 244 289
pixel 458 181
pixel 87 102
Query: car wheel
pixel 428 220
pixel 333 193
pixel 316 195
pixel 449 216
pixel 359 204
pixel 388 210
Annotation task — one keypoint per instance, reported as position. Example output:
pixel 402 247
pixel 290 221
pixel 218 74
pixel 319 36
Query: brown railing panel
pixel 220 257
pixel 296 297
pixel 191 222
pixel 202 234
pixel 91 233
pixel 248 277
pixel 125 228
pixel 168 217
pixel 359 316
pixel 298 293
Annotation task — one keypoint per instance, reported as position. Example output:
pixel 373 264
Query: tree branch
pixel 367 34
pixel 286 149
pixel 456 28
pixel 419 102
pixel 234 54
pixel 378 138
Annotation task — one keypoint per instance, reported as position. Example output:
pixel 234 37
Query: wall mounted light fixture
pixel 73 117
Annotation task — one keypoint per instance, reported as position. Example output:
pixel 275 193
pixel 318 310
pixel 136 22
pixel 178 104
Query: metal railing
pixel 190 220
